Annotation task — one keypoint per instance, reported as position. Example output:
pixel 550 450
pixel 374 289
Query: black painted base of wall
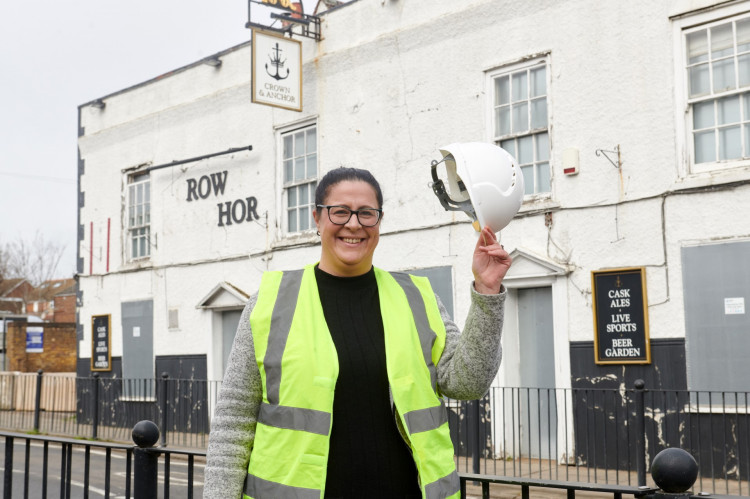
pixel 667 370
pixel 604 405
pixel 125 402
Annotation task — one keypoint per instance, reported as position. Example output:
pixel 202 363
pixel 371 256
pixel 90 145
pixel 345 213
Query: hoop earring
pixel 318 232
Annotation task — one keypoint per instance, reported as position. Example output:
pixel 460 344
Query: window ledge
pixel 297 239
pixel 538 202
pixel 144 263
pixel 713 177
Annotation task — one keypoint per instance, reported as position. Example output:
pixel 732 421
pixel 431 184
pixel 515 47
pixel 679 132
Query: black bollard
pixel 38 400
pixel 146 460
pixel 95 425
pixel 674 471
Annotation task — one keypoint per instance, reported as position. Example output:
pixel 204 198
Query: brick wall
pixel 65 308
pixel 59 353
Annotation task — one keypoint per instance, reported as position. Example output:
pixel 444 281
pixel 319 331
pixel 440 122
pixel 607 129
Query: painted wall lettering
pixel 204 186
pixel 238 211
pixel 230 212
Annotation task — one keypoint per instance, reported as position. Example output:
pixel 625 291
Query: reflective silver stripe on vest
pixel 426 419
pixel 427 336
pixel 264 489
pixel 295 418
pixel 281 324
pixel 444 487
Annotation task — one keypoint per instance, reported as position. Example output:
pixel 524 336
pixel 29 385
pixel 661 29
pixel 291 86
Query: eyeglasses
pixel 340 215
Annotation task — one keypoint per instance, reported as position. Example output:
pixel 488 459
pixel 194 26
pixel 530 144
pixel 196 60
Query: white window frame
pixel 682 25
pixel 311 181
pixel 143 226
pixel 508 69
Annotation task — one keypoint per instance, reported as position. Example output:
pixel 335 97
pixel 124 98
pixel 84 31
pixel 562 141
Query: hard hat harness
pixel 438 187
pixel 483 181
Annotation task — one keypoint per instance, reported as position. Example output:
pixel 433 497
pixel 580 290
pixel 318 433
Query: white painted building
pixel 649 102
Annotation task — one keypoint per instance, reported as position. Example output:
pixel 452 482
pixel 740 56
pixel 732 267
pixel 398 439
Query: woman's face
pixel 347 249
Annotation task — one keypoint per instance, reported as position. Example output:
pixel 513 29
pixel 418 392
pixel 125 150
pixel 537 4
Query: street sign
pixel 34 339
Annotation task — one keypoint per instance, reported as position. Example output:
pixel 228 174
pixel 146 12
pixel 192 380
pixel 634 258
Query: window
pixel 139 216
pixel 714 280
pixel 300 165
pixel 717 73
pixel 520 121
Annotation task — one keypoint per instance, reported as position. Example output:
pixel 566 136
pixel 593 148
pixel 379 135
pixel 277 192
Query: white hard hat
pixel 484 181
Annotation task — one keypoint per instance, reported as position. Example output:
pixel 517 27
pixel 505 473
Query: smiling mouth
pixel 351 240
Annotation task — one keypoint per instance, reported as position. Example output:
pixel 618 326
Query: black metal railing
pixel 108 408
pixel 603 436
pixel 674 471
pixel 598 436
pixel 45 466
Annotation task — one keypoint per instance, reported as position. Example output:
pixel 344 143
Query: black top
pixel 368 457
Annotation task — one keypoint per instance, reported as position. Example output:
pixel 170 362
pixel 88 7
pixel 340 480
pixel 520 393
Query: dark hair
pixel 342 174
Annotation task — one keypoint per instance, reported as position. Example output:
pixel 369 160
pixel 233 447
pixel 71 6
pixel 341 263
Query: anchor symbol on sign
pixel 278 63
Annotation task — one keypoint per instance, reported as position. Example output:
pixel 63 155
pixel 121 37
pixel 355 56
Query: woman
pixel 382 343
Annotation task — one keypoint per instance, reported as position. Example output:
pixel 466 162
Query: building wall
pixel 390 83
pixel 59 355
pixel 14 294
pixel 12 305
pixel 22 289
pixel 65 308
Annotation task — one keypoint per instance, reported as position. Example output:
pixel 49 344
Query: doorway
pixel 230 319
pixel 537 372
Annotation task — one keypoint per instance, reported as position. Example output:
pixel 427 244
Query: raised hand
pixel 490 263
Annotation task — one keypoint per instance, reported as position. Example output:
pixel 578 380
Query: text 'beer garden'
pixel 620 317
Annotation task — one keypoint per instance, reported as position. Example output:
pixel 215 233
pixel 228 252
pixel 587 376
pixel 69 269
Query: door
pixel 229 321
pixel 138 349
pixel 537 373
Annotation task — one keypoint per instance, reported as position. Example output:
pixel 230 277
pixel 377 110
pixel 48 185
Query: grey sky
pixel 58 55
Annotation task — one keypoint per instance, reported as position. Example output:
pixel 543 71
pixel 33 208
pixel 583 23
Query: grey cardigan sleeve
pixel 233 425
pixel 471 359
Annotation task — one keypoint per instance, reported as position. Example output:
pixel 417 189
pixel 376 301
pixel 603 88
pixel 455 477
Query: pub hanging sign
pixel 276 71
pixel 620 316
pixel 101 343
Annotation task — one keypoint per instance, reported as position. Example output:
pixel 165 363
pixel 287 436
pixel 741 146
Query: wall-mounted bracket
pixel 606 153
pixel 293 22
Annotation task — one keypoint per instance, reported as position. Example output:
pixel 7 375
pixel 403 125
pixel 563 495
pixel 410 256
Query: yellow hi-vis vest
pixel 299 366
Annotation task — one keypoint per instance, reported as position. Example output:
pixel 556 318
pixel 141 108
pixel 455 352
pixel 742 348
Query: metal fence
pixel 108 408
pixel 44 466
pixel 147 471
pixel 604 436
pixel 607 436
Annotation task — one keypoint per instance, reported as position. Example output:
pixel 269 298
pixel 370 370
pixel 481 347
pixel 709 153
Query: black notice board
pixel 621 316
pixel 101 343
